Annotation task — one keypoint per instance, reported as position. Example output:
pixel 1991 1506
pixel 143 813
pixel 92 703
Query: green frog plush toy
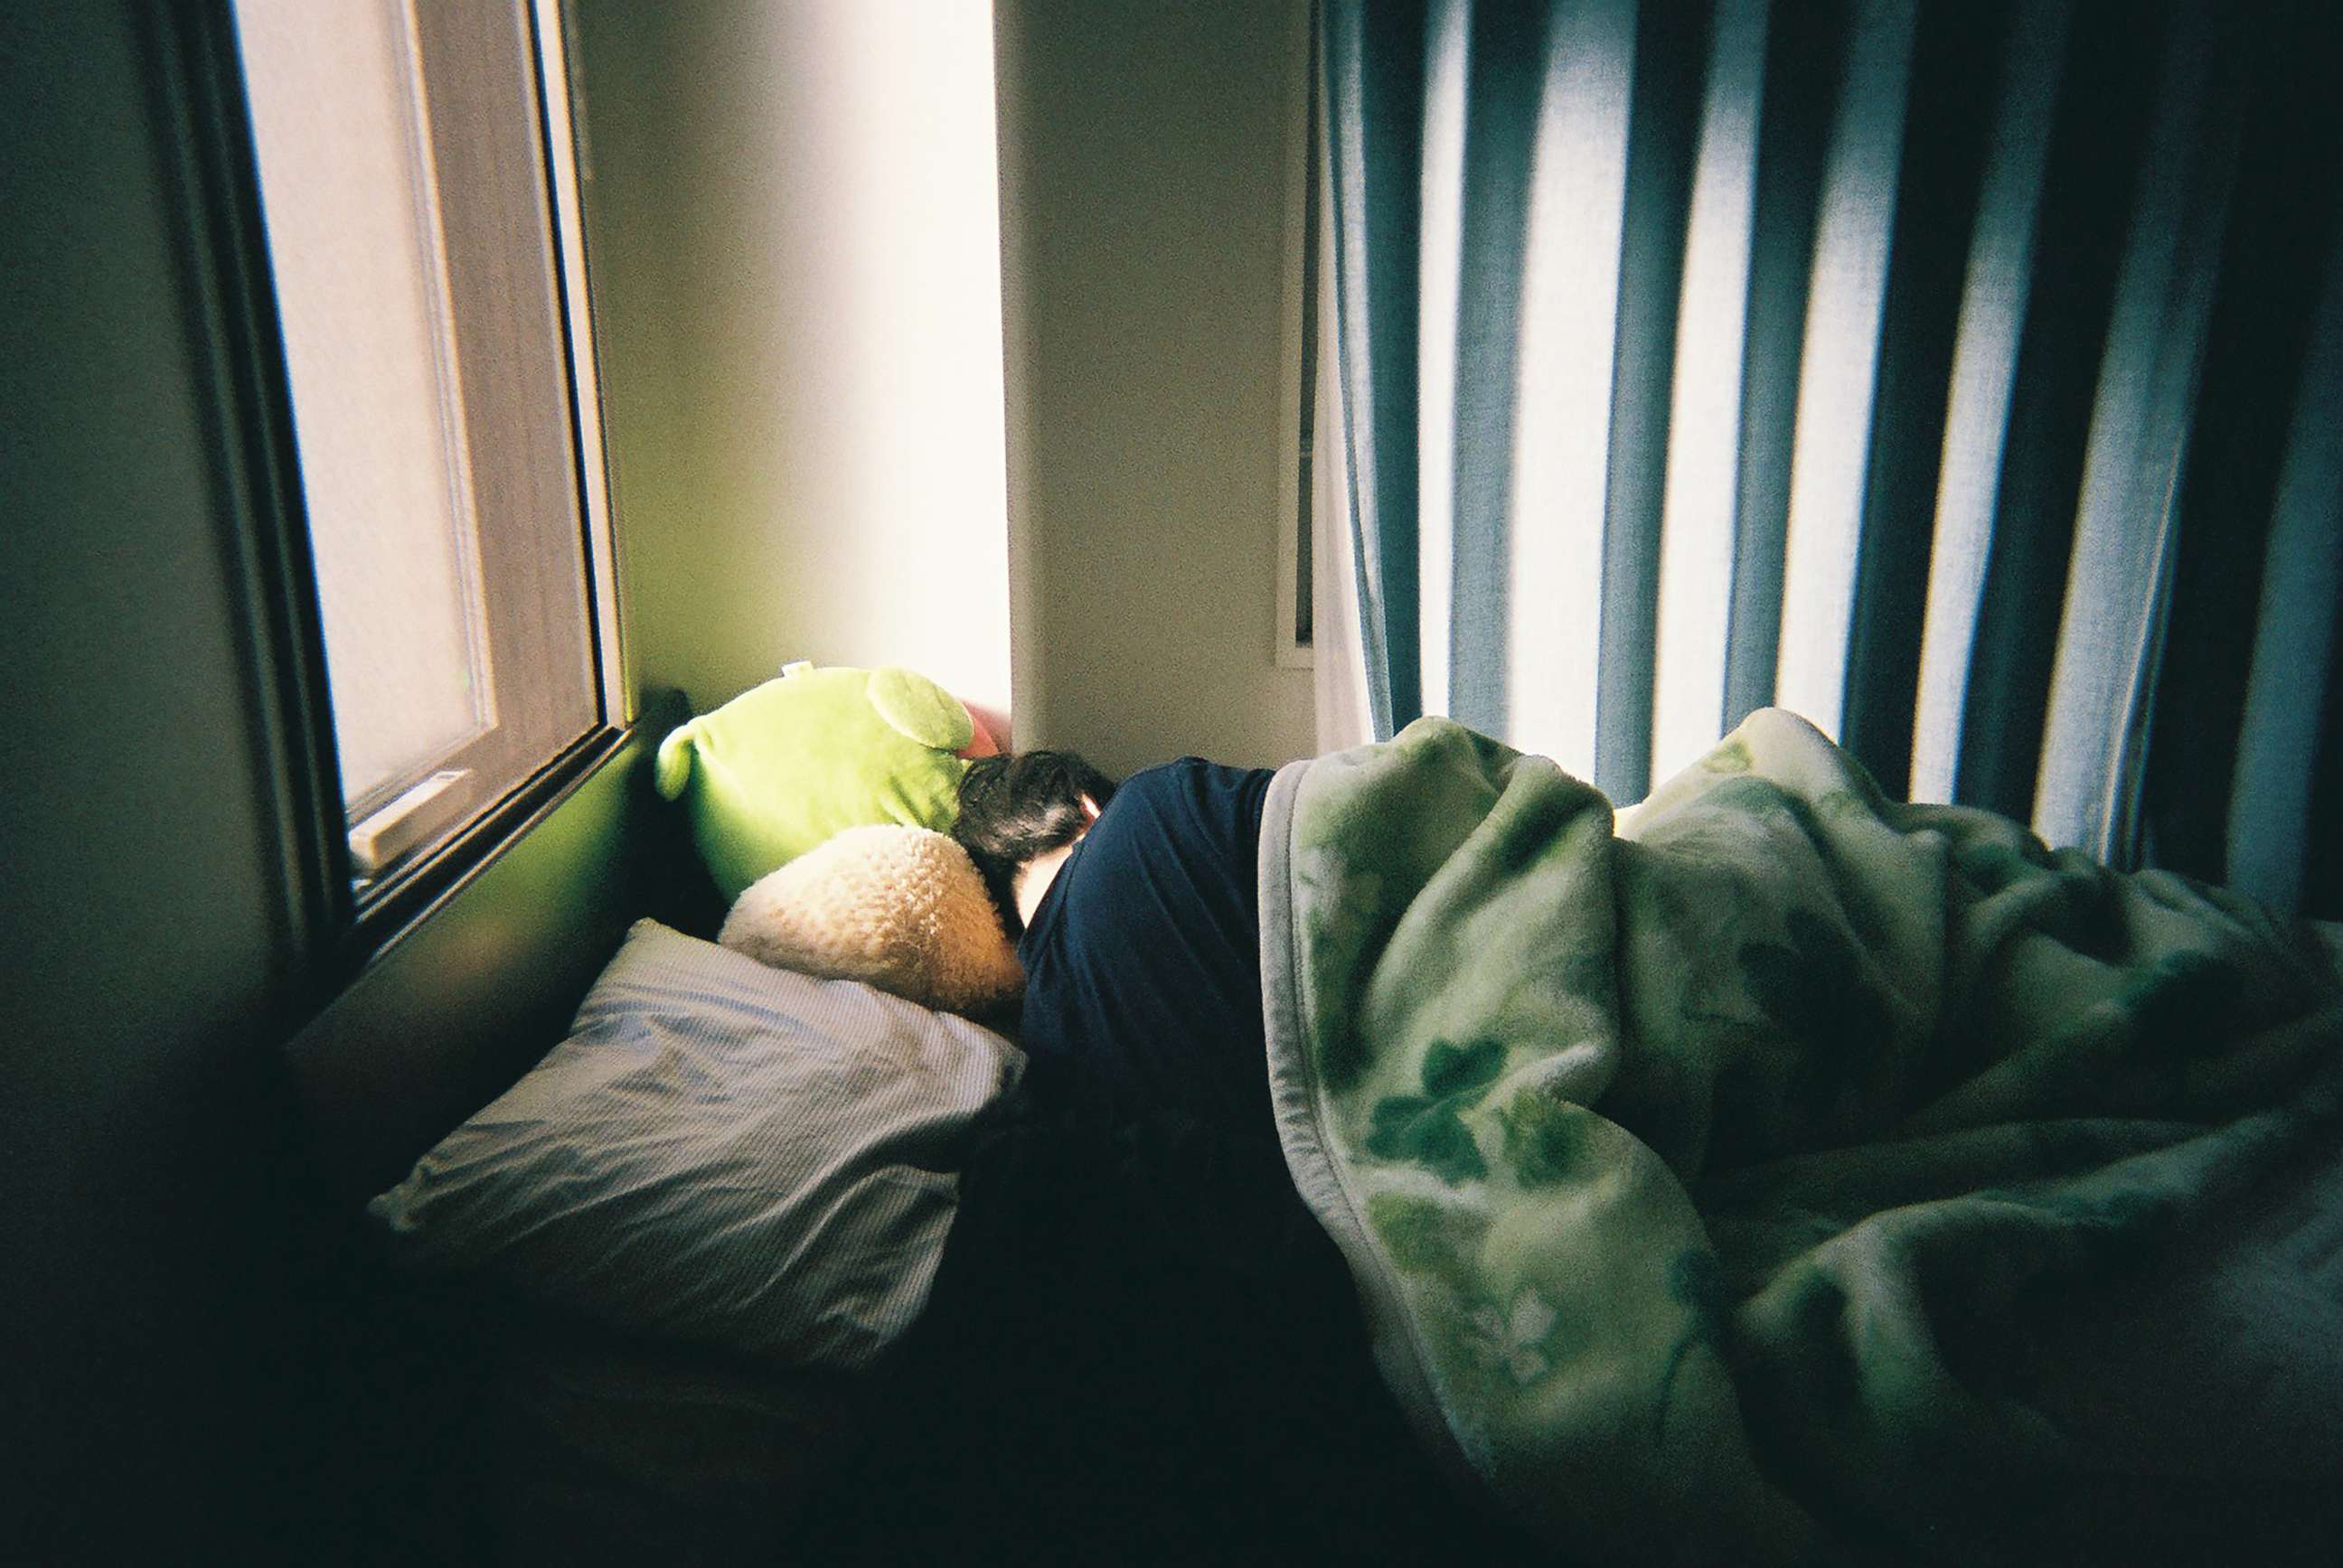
pixel 785 765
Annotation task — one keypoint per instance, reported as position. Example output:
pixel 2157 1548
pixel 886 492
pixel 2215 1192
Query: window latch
pixel 414 818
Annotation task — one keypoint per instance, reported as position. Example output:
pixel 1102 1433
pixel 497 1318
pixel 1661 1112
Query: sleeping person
pixel 1135 915
pixel 1775 1173
pixel 1154 1351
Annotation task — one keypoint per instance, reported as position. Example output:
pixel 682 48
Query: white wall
pixel 799 308
pixel 793 238
pixel 1145 150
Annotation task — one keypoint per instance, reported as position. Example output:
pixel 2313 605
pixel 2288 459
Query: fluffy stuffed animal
pixel 902 908
pixel 784 766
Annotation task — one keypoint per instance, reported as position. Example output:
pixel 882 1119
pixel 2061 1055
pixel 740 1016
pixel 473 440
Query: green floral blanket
pixel 1746 1179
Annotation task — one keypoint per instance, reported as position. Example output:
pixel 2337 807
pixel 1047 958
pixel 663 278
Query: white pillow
pixel 721 1152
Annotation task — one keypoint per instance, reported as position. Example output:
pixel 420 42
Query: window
pixel 418 199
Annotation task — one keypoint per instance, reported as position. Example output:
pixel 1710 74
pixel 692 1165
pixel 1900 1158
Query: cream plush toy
pixel 902 908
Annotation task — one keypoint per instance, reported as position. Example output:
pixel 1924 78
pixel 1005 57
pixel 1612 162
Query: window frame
pixel 336 922
pixel 1295 643
pixel 421 885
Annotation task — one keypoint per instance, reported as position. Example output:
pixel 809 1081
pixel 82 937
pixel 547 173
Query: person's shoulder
pixel 1200 770
pixel 1193 796
pixel 1162 780
pixel 1193 778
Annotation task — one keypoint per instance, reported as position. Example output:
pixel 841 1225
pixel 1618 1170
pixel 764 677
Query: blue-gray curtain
pixel 1965 375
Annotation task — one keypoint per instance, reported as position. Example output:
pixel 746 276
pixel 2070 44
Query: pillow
pixel 902 908
pixel 785 765
pixel 721 1152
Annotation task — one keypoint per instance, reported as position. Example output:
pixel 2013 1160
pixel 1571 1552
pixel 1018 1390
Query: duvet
pixel 1778 1172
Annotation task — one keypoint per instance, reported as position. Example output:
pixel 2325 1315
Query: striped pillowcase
pixel 721 1152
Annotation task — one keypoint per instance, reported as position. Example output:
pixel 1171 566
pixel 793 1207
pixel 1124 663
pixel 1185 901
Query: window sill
pixel 413 893
pixel 455 982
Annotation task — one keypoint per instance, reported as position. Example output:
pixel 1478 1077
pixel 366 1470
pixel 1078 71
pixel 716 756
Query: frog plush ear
pixel 672 770
pixel 921 709
pixel 785 765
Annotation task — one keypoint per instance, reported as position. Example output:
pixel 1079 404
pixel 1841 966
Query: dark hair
pixel 1019 805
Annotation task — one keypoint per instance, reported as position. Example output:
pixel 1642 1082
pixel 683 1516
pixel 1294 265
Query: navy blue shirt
pixel 1142 964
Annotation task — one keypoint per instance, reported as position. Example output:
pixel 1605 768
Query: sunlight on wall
pixel 795 222
pixel 910 414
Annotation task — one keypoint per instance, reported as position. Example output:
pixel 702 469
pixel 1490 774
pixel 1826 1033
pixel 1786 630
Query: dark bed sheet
pixel 611 1448
pixel 1140 1350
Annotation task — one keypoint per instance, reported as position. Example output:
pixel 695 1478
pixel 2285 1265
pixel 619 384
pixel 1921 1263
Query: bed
pixel 1775 1173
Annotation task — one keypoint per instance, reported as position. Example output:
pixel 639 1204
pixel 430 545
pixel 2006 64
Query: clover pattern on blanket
pixel 1711 1173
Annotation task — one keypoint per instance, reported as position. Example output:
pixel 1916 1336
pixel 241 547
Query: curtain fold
pixel 1964 376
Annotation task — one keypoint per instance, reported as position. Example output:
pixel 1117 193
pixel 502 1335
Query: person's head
pixel 1019 807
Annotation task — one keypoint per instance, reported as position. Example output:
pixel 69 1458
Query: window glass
pixel 363 309
pixel 406 179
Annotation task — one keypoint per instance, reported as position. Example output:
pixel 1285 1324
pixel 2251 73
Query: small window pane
pixel 363 302
pixel 405 183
